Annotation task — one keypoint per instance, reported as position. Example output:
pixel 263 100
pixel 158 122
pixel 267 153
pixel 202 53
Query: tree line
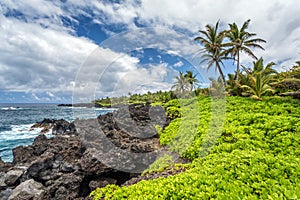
pixel 220 45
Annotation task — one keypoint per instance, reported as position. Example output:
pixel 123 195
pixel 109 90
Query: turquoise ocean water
pixel 16 120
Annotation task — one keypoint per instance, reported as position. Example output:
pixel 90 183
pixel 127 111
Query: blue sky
pixel 59 51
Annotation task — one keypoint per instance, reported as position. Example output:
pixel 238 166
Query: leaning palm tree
pixel 191 79
pixel 260 79
pixel 242 41
pixel 182 84
pixel 213 51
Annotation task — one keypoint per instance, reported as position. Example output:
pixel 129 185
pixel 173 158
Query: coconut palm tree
pixel 260 78
pixel 182 84
pixel 213 52
pixel 191 79
pixel 242 41
pixel 216 87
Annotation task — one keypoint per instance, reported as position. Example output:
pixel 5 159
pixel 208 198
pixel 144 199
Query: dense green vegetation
pixel 219 44
pixel 288 81
pixel 239 147
pixel 255 157
pixel 156 97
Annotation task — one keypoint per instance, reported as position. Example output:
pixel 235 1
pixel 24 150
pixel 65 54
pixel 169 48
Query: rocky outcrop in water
pixel 56 127
pixel 111 149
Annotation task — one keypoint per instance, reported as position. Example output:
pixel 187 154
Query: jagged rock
pixel 84 155
pixel 13 176
pixel 101 182
pixel 39 169
pixel 29 189
pixel 4 166
pixel 91 164
pixel 3 177
pixel 66 187
pixel 56 127
pixel 28 154
pixel 5 193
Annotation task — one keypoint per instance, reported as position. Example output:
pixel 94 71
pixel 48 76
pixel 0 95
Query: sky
pixel 61 51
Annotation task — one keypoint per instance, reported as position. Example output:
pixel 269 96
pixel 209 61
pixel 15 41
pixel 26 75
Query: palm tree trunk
pixel 238 66
pixel 221 73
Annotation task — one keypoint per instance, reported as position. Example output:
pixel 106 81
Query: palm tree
pixel 213 50
pixel 191 79
pixel 242 41
pixel 260 78
pixel 233 87
pixel 216 87
pixel 182 84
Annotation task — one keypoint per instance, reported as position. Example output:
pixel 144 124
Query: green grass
pixel 257 155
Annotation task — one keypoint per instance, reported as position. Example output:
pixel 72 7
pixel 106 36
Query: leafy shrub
pixel 256 156
pixel 159 165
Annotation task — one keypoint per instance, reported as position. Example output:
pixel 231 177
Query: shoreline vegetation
pixel 255 154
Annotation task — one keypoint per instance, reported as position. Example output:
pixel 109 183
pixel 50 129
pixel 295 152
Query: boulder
pixel 3 177
pixel 29 189
pixel 13 176
pixel 83 155
pixel 39 169
pixel 4 166
pixel 56 127
pixel 5 193
pixel 66 187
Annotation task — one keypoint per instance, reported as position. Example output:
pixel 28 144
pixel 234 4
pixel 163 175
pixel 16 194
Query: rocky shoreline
pixel 84 154
pixel 87 105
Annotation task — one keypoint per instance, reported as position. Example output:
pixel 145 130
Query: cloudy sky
pixel 64 50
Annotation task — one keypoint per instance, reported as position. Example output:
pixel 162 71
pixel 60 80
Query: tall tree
pixel 213 51
pixel 191 79
pixel 181 85
pixel 242 41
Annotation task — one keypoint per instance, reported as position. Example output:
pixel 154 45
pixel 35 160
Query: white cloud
pixel 36 97
pixel 38 52
pixel 178 64
pixel 107 73
pixel 276 21
pixel 35 58
pixel 50 94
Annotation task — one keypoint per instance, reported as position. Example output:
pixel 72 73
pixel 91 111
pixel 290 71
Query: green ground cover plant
pixel 257 155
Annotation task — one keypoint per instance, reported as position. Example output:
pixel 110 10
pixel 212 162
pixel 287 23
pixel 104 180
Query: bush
pixel 256 156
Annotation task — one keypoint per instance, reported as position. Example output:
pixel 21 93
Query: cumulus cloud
pixel 110 73
pixel 40 50
pixel 277 21
pixel 36 58
pixel 178 64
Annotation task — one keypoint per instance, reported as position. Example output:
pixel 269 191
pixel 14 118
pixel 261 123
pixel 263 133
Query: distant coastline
pixel 87 105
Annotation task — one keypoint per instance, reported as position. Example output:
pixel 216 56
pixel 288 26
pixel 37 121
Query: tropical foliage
pixel 241 41
pixel 288 81
pixel 213 52
pixel 260 78
pixel 149 97
pixel 185 83
pixel 256 156
pixel 181 85
pixel 191 79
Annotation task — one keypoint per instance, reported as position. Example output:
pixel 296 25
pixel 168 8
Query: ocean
pixel 17 119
